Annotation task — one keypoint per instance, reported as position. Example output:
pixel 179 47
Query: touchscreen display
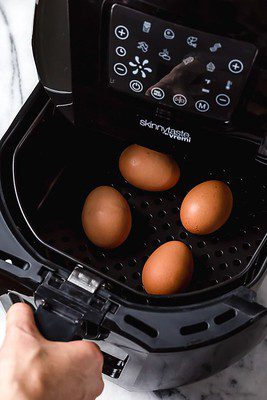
pixel 176 66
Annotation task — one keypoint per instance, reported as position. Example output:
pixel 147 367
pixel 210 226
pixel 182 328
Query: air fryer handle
pixel 56 328
pixel 51 326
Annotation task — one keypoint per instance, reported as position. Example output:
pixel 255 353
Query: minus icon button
pixel 205 90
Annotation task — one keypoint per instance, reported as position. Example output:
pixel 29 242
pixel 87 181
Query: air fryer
pixel 175 76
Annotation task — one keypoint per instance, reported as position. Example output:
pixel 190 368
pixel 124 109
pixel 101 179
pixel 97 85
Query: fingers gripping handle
pixel 58 328
pixel 52 326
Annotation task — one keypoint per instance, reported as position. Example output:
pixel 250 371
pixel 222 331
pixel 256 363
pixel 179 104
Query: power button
pixel 136 86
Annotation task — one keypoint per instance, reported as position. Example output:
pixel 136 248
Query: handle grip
pixel 56 328
pixel 61 329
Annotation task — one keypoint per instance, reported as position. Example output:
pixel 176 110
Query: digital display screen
pixel 177 66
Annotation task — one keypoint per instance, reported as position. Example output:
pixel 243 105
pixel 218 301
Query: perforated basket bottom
pixel 218 257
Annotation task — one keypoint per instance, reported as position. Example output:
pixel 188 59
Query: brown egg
pixel 148 169
pixel 169 269
pixel 106 217
pixel 206 207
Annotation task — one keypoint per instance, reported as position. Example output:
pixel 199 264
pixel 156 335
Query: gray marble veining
pixel 17 71
pixel 245 380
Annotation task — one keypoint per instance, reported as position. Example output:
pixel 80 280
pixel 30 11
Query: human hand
pixel 32 368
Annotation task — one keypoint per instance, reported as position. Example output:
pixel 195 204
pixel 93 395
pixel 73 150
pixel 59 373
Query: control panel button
pixel 165 55
pixel 206 88
pixel 157 93
pixel 169 34
pixel 120 69
pixel 223 100
pixel 122 32
pixel 121 51
pixel 180 100
pixel 215 47
pixel 188 60
pixel 192 41
pixel 236 66
pixel 210 67
pixel 143 46
pixel 202 106
pixel 140 66
pixel 147 26
pixel 228 85
pixel 136 86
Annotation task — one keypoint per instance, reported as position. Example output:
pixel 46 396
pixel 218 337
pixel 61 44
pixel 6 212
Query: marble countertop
pixel 245 380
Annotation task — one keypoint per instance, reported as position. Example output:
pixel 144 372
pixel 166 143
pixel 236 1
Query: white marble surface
pixel 17 71
pixel 247 380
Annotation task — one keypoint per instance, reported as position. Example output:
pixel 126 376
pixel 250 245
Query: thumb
pixel 20 317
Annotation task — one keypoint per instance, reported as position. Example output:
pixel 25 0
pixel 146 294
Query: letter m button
pixel 202 106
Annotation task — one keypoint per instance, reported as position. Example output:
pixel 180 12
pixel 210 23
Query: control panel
pixel 176 66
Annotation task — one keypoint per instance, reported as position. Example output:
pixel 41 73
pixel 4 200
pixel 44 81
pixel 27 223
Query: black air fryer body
pixel 184 77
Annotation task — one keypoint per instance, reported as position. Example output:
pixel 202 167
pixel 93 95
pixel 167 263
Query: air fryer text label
pixel 172 133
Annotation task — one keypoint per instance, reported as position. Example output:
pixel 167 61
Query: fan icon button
pixel 140 67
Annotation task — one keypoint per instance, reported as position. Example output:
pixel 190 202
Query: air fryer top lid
pixel 155 72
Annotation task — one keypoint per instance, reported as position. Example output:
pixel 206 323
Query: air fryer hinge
pixel 82 278
pixel 72 308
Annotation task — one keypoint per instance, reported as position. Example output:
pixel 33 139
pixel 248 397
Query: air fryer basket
pixel 70 164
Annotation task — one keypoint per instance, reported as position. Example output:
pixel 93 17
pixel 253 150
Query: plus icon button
pixel 122 32
pixel 236 66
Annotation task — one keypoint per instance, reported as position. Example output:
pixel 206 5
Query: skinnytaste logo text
pixel 172 133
